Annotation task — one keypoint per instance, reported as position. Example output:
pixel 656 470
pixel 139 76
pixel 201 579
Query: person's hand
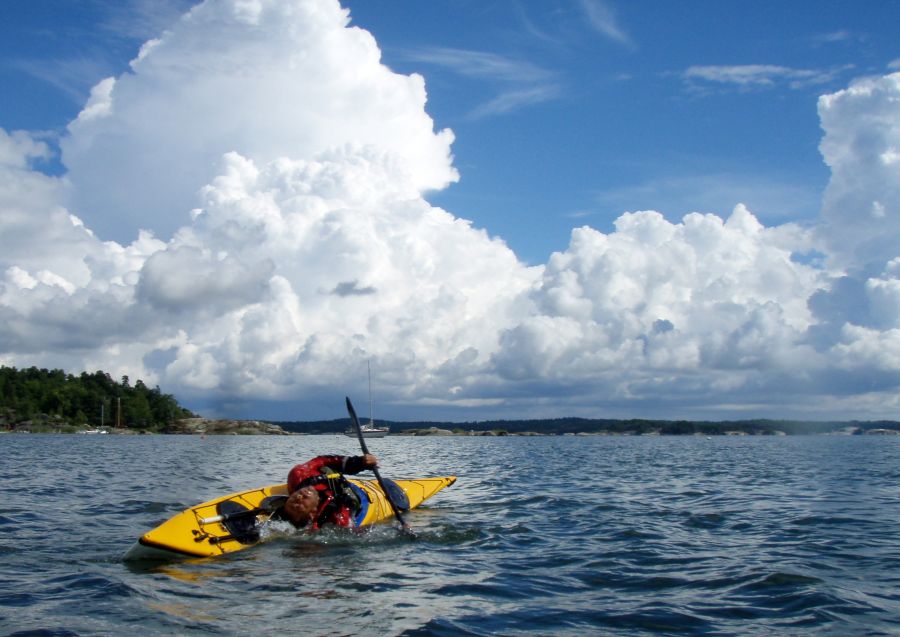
pixel 370 461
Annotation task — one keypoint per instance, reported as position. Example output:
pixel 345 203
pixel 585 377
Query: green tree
pixel 28 393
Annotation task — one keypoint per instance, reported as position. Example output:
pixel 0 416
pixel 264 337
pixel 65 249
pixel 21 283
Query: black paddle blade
pixel 240 521
pixel 395 494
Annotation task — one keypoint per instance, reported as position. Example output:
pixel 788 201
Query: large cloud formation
pixel 264 79
pixel 244 220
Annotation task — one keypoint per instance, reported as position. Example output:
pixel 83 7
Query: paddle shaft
pixel 365 450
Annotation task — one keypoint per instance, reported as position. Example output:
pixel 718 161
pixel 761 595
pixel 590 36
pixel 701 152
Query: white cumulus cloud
pixel 265 79
pixel 861 210
pixel 636 313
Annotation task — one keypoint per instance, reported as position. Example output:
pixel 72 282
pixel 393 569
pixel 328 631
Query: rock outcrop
pixel 225 427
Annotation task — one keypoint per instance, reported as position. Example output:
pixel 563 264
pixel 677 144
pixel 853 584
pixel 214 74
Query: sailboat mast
pixel 371 413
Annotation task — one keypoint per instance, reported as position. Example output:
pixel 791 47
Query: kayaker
pixel 319 493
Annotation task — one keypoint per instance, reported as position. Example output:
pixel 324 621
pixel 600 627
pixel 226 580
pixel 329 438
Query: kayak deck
pixel 191 534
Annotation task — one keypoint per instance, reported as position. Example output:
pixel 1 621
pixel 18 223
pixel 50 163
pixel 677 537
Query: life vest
pixel 335 495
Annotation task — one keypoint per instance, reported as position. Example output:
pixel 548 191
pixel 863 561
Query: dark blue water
pixel 544 536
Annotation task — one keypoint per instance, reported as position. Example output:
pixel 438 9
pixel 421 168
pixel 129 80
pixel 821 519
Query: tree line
pixel 41 396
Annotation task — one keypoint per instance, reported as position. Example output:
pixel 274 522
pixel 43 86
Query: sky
pixel 504 209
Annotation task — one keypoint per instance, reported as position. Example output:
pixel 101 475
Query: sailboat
pixel 369 430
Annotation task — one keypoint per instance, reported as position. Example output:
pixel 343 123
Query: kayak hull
pixel 190 534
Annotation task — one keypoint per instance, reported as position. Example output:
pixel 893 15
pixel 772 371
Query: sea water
pixel 583 535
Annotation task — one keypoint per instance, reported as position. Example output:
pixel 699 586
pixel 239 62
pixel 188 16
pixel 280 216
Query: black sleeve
pixel 354 464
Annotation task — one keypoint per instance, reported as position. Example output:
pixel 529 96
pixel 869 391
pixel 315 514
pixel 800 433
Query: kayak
pixel 232 523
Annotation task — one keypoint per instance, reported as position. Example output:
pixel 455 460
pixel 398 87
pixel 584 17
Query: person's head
pixel 301 506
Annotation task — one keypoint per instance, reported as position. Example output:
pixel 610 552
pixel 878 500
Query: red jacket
pixel 330 509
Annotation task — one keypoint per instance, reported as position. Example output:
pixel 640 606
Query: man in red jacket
pixel 320 494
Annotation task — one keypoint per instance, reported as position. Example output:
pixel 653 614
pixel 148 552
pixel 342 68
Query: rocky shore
pixel 225 427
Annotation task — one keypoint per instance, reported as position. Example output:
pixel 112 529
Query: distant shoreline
pixel 554 427
pixel 249 431
pixel 588 426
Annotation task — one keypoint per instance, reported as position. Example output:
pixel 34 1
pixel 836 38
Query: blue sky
pixel 565 116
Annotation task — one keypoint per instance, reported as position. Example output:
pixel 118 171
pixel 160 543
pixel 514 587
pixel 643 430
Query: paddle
pixel 404 527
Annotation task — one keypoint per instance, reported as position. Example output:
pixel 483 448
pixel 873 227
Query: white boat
pixel 369 430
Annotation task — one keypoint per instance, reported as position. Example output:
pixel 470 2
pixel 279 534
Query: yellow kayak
pixel 230 523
